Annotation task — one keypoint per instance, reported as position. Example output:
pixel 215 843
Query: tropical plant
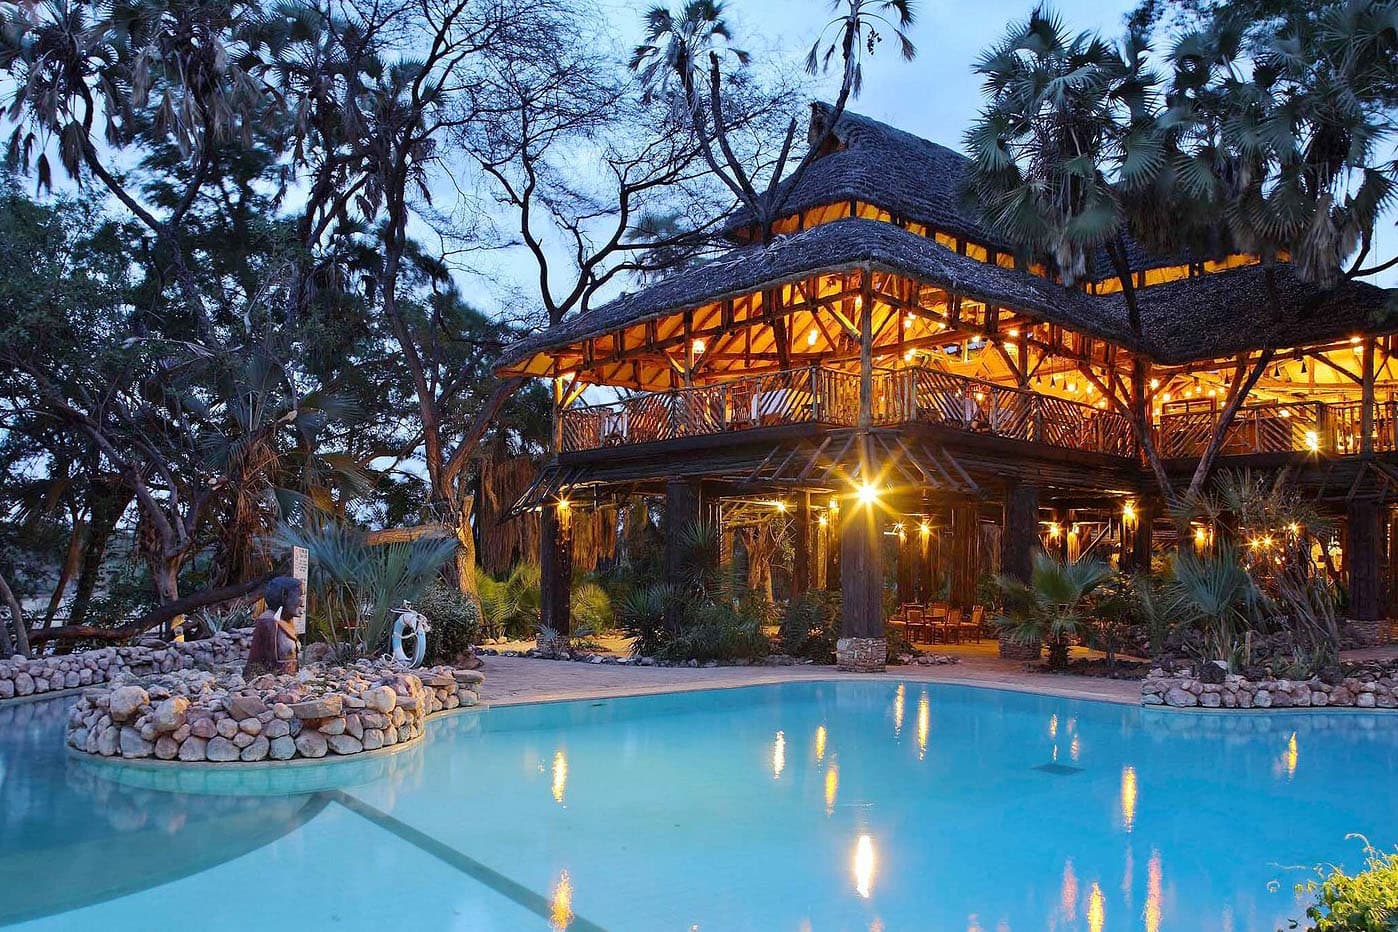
pixel 1362 902
pixel 511 606
pixel 1053 607
pixel 591 609
pixel 1212 593
pixel 643 614
pixel 454 620
pixel 811 626
pixel 716 631
pixel 356 585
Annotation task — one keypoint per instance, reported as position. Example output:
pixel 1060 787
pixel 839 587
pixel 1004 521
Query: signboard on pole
pixel 300 563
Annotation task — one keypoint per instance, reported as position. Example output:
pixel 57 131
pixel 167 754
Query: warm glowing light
pixel 780 506
pixel 811 338
pixel 1294 528
pixel 924 529
pixel 1096 908
pixel 1055 530
pixel 1201 536
pixel 1128 798
pixel 561 909
pixel 1072 388
pixel 1068 893
pixel 778 755
pixel 1075 749
pixel 1355 340
pixel 820 743
pixel 1128 512
pixel 560 776
pixel 864 864
pixel 1154 383
pixel 980 396
pixel 697 346
pixel 1153 891
pixel 898 711
pixel 908 356
pixel 924 723
pixel 824 520
pixel 1312 441
pixel 1291 756
pixel 832 786
pixel 1012 333
pixel 1165 397
pixel 868 493
pixel 1053 725
pixel 564 504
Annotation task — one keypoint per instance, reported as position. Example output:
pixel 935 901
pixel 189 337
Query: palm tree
pixel 1067 123
pixel 689 48
pixel 1053 606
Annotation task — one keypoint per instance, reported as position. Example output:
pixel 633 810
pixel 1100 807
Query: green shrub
pixel 811 626
pixel 454 620
pixel 641 615
pixel 716 631
pixel 511 605
pixel 1363 902
pixel 591 609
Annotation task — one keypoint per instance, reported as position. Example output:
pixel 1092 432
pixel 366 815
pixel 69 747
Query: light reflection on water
pixel 849 829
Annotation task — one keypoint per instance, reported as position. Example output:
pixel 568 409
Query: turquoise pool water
pixel 852 805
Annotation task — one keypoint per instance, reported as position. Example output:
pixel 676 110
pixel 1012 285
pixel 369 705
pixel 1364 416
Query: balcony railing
pixel 827 396
pixel 1278 427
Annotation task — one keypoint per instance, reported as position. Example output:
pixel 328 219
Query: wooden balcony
pixel 1277 427
pixel 830 397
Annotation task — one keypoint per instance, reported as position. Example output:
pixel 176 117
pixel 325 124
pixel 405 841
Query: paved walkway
pixel 514 680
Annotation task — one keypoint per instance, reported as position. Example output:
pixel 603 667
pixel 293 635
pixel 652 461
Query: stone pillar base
pixel 861 655
pixel 1017 650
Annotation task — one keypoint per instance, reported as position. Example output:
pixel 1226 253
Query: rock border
pixel 38 677
pixel 1367 689
pixel 202 719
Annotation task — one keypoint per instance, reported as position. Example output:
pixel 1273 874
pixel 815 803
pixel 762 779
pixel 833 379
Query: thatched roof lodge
pixel 881 334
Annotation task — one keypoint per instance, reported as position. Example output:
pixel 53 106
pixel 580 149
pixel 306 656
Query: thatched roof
pixel 1199 318
pixel 911 177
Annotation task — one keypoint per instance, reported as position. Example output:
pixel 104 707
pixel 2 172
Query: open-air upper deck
pixel 823 396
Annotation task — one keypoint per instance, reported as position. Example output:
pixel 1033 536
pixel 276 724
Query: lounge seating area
pixel 941 623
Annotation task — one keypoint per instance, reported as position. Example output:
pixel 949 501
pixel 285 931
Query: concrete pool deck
pixel 516 680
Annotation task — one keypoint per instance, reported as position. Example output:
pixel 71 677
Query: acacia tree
pixel 1261 140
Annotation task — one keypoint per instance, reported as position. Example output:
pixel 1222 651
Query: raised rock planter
pixel 197 717
pixel 21 678
pixel 1360 688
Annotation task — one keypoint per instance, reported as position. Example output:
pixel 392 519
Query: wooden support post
pixel 683 509
pixel 866 352
pixel 801 552
pixel 861 647
pixel 1018 545
pixel 555 575
pixel 1021 537
pixel 1364 561
pixel 1366 418
pixel 832 550
pixel 908 549
pixel 965 552
pixel 1142 536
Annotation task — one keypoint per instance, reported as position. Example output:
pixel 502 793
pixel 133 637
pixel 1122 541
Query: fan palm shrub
pixel 1053 607
pixel 1212 593
pixel 511 606
pixel 356 585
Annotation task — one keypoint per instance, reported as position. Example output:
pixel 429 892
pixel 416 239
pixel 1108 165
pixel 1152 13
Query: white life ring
pixel 411 628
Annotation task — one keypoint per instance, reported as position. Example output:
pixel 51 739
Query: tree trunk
pixel 466 553
pixel 70 567
pixel 21 635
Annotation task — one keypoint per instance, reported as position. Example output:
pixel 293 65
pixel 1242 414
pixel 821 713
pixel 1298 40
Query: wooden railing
pixel 1278 427
pixel 798 396
pixel 936 397
pixel 827 396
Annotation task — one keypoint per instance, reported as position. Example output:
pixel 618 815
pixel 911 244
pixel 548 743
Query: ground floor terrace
pixel 912 521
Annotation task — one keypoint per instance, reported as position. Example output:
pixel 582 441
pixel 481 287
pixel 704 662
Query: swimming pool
pixel 859 804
